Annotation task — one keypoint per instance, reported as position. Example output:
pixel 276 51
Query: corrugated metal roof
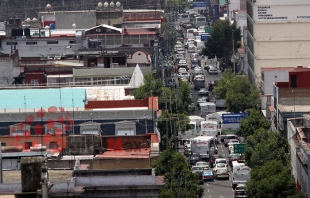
pixel 42 98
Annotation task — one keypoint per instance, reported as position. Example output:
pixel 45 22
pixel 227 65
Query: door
pixel 293 81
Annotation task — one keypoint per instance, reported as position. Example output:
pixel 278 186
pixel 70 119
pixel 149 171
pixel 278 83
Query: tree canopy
pixel 264 146
pixel 238 92
pixel 220 42
pixel 272 180
pixel 253 122
pixel 174 167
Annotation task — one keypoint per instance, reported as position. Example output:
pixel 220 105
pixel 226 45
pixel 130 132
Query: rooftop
pixel 294 108
pixel 21 100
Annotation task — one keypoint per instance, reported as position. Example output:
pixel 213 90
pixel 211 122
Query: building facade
pixel 272 39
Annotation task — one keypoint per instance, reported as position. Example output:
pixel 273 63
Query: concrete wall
pixel 115 180
pixel 271 76
pixel 8 68
pixel 82 20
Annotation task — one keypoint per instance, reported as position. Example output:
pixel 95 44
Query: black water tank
pixel 17 21
pixel 26 32
pixel 11 21
pixel 14 32
pixel 20 32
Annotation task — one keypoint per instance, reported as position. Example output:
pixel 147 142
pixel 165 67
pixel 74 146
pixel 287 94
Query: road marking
pixel 208 190
pixel 209 196
pixel 223 154
pixel 207 184
pixel 222 150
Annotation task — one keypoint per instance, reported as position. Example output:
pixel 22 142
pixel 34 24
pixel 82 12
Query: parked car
pixel 203 91
pixel 203 165
pixel 240 191
pixel 193 158
pixel 207 175
pixel 221 174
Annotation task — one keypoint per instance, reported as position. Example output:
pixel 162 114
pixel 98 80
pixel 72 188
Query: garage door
pixel 125 132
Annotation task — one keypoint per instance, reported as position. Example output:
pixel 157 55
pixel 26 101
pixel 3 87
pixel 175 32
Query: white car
pixel 219 166
pixel 221 161
pixel 204 165
pixel 212 70
pixel 203 91
pixel 182 70
pixel 181 51
pixel 184 75
pixel 191 49
pixel 194 55
pixel 182 61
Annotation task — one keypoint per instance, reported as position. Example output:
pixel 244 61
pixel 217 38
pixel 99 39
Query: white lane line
pixel 209 196
pixel 222 150
pixel 208 190
pixel 207 184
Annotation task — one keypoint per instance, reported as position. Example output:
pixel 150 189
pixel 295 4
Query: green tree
pixel 220 43
pixel 252 122
pixel 170 124
pixel 184 98
pixel 151 87
pixel 174 167
pixel 272 180
pixel 238 92
pixel 264 146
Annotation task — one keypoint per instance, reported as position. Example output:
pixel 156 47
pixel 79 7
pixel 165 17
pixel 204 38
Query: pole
pixel 1 172
pixel 179 185
pixel 167 135
pixel 234 51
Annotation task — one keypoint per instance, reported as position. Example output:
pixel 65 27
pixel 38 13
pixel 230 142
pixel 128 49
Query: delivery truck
pixel 202 146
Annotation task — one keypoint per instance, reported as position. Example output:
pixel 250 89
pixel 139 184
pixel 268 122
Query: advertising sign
pixel 202 5
pixel 233 118
pixel 282 12
pixel 204 37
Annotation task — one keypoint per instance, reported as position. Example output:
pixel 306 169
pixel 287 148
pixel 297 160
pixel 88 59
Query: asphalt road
pixel 218 188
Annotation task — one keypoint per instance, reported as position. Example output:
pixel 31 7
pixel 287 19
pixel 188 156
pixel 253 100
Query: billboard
pixel 202 5
pixel 233 118
pixel 204 37
pixel 297 12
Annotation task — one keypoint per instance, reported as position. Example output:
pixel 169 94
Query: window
pixel 31 43
pixel 72 42
pixel 103 81
pixel 11 43
pixel 34 82
pixel 3 144
pixel 98 30
pixel 52 42
pixel 27 145
pixel 53 145
pixel 82 81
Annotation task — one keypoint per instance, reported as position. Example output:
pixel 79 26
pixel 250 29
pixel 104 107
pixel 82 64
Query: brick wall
pixel 297 96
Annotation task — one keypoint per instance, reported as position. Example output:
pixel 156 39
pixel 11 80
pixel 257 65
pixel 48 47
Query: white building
pixel 277 35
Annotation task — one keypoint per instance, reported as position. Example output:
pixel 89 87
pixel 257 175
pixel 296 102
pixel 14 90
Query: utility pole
pixel 179 185
pixel 233 48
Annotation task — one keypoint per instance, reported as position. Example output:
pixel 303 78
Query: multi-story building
pixel 272 36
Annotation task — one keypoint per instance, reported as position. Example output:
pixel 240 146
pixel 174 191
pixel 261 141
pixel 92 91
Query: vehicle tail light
pixel 211 176
pixel 235 192
pixel 203 177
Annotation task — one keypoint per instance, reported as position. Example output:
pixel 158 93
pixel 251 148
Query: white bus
pixel 184 17
pixel 200 21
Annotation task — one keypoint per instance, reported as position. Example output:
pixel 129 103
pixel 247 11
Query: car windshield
pixel 196 168
pixel 221 171
pixel 221 161
pixel 207 172
pixel 195 155
pixel 221 165
pixel 201 164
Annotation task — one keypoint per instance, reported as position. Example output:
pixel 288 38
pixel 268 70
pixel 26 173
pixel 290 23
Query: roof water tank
pixel 14 32
pixel 17 21
pixel 27 32
pixel 11 21
pixel 20 32
pixel 52 26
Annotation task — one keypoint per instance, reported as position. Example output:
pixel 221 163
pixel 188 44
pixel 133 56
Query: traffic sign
pixel 239 148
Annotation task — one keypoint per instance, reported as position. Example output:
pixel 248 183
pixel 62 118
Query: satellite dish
pixel 73 25
pixel 48 6
pixel 99 5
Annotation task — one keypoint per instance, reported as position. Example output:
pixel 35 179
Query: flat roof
pixel 14 176
pixel 294 108
pixel 129 153
pixel 17 99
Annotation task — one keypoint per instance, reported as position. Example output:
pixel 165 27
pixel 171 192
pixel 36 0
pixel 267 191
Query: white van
pixel 220 103
pixel 207 108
